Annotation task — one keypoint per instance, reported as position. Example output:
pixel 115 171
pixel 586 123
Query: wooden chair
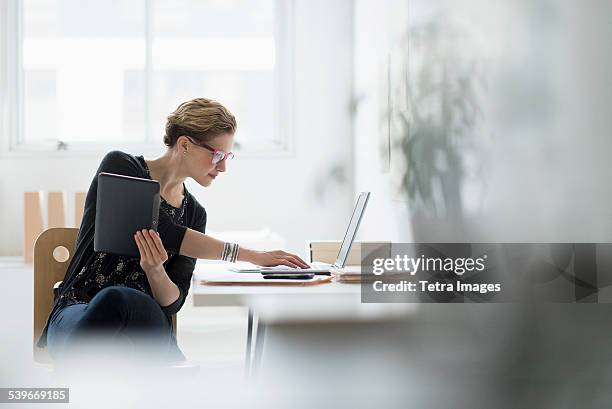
pixel 53 251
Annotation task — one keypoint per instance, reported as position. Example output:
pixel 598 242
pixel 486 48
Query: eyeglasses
pixel 217 155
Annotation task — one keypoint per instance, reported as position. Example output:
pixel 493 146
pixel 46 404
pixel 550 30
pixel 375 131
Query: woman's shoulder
pixel 199 213
pixel 117 155
pixel 197 207
pixel 123 163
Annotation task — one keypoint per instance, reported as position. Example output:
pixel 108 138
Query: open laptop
pixel 317 267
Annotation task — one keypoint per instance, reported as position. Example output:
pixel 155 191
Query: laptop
pixel 124 205
pixel 318 267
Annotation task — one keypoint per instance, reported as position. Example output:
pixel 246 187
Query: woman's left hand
pixel 152 252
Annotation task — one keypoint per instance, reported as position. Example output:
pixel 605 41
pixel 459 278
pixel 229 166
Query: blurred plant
pixel 439 85
pixel 330 179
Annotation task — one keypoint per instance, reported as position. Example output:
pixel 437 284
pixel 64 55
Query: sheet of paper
pixel 230 278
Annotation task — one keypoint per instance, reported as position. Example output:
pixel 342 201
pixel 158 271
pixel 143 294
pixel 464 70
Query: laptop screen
pixel 351 232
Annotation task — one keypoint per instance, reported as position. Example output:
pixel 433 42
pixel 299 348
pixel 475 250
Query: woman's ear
pixel 182 143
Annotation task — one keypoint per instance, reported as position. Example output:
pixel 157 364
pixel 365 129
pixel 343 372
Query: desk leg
pixel 249 341
pixel 259 343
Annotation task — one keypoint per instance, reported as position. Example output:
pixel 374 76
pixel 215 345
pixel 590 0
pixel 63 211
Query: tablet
pixel 124 205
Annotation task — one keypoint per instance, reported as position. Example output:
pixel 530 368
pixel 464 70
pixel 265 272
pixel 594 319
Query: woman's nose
pixel 221 166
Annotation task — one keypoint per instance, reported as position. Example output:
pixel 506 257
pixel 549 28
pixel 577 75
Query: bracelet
pixel 230 252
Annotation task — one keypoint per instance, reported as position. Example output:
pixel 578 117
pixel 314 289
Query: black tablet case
pixel 124 205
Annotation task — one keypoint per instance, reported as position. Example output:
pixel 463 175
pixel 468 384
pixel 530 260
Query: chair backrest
pixel 53 251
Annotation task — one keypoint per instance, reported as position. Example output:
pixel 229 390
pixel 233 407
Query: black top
pixel 90 271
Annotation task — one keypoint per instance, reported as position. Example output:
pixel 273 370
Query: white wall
pixel 254 193
pixel 386 218
pixel 544 145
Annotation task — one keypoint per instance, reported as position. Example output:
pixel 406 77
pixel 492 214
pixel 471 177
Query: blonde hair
pixel 201 118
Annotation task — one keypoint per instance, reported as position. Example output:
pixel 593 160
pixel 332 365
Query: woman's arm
pixel 200 245
pixel 163 289
pixel 152 259
pixel 153 256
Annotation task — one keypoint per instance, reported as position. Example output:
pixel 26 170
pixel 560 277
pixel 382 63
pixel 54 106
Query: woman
pixel 128 301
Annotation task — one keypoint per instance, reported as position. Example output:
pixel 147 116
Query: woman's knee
pixel 121 298
pixel 108 299
pixel 133 305
pixel 122 309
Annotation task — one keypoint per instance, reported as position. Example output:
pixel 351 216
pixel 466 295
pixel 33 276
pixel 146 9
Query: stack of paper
pixel 347 274
pixel 256 279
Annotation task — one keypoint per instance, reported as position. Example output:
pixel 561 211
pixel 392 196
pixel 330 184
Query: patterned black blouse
pixel 124 271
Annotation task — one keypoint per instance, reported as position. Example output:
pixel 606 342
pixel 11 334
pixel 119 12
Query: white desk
pixel 236 295
pixel 325 302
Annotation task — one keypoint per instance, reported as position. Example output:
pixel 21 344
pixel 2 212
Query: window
pixel 99 73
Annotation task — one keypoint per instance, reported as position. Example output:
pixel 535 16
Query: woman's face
pixel 199 160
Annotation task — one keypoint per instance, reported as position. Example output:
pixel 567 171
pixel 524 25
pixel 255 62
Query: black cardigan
pixel 179 268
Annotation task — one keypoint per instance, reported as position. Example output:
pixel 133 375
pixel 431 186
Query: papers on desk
pixel 350 274
pixel 229 278
pixel 353 274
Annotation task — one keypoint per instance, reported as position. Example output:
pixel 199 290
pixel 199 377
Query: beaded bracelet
pixel 230 252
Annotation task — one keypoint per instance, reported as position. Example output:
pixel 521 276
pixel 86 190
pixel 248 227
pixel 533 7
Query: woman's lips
pixel 212 176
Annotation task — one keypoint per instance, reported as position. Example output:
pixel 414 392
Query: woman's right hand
pixel 274 258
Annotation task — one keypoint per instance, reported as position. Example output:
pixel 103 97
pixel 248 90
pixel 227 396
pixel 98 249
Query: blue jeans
pixel 126 320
